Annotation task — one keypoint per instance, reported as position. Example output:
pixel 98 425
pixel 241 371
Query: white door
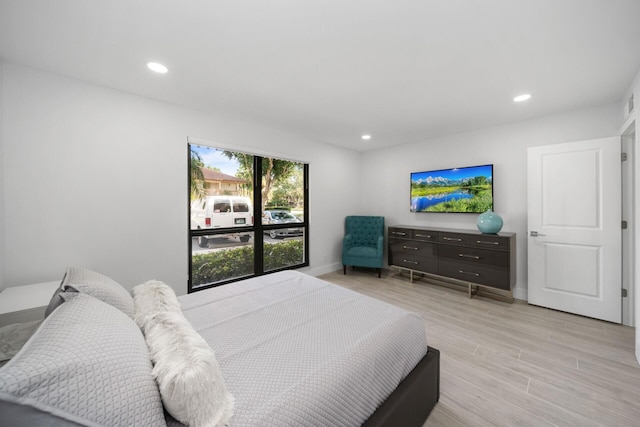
pixel 574 224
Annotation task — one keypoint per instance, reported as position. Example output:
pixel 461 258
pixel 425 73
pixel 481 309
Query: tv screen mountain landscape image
pixel 456 190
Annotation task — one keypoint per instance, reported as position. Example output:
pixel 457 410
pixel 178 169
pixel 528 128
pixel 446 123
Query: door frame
pixel 630 212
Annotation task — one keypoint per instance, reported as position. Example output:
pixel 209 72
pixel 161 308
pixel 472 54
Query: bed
pixel 291 349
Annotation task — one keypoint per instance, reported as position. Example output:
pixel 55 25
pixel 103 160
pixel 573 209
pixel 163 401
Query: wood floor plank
pixel 572 382
pixel 453 412
pixel 508 364
pixel 587 402
pixel 482 403
pixel 527 406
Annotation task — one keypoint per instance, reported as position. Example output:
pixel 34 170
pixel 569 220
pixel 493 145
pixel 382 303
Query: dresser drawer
pixel 424 235
pixel 413 248
pixel 401 233
pixel 415 255
pixel 474 256
pixel 475 273
pixel 487 241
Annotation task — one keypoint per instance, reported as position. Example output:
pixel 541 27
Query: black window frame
pixel 258 229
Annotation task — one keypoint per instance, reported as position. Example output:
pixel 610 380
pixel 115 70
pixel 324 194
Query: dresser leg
pixel 472 291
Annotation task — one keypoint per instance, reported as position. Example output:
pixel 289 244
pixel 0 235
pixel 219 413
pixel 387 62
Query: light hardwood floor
pixel 515 364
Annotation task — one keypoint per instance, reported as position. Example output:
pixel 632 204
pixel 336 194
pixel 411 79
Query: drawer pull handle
pixel 410 262
pixel 485 242
pixel 468 272
pixel 409 247
pixel 428 236
pixel 468 256
pixel 399 233
pixel 452 239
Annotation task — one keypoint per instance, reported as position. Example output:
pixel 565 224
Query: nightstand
pixel 25 303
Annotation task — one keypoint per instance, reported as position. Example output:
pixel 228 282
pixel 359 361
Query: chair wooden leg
pixel 344 269
pixel 379 272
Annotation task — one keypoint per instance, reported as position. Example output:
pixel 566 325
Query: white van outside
pixel 221 212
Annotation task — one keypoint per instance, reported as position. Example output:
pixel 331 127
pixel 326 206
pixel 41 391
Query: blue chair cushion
pixel 364 251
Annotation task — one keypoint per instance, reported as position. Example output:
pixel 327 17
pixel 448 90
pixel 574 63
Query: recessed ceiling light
pixel 366 137
pixel 158 68
pixel 523 97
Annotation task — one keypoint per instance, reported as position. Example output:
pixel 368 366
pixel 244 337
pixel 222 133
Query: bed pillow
pixel 56 299
pixel 87 363
pixel 99 286
pixel 191 384
pixel 152 297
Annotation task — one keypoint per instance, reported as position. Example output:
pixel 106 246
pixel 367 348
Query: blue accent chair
pixel 363 243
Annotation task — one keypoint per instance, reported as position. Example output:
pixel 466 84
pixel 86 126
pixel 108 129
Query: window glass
pixel 221 257
pixel 283 213
pixel 220 180
pixel 283 248
pixel 226 244
pixel 283 190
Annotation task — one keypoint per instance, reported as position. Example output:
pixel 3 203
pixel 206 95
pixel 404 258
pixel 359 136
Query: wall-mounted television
pixel 456 190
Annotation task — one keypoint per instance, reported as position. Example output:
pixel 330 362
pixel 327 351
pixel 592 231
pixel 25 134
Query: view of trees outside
pixel 221 186
pixel 290 191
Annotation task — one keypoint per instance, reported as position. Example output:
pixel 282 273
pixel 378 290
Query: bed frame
pixel 411 402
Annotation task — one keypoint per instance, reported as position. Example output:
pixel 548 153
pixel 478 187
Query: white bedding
pixel 298 351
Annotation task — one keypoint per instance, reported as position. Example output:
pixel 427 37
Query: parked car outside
pixel 277 216
pixel 221 212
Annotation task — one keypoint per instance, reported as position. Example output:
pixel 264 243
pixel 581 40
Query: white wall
pixel 385 189
pixel 98 178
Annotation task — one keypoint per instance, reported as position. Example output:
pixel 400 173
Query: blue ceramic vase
pixel 489 222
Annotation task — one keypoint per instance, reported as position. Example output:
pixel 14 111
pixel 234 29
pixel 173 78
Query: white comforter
pixel 299 351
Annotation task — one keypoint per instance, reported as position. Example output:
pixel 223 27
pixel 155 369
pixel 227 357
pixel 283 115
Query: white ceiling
pixel 401 70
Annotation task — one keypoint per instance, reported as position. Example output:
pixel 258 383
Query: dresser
pixel 461 257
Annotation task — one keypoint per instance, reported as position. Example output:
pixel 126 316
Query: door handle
pixel 535 234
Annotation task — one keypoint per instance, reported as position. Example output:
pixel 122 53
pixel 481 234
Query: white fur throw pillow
pixel 191 384
pixel 150 298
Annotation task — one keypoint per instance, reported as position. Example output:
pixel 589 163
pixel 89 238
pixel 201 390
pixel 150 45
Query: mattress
pixel 296 350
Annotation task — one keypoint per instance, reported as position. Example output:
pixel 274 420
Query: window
pixel 228 191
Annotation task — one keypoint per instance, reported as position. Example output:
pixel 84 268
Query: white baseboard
pixel 520 293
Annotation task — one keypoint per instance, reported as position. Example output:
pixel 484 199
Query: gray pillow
pixel 99 286
pixel 87 363
pixel 56 299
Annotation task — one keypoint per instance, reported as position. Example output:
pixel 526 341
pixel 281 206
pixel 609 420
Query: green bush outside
pixel 283 254
pixel 238 262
